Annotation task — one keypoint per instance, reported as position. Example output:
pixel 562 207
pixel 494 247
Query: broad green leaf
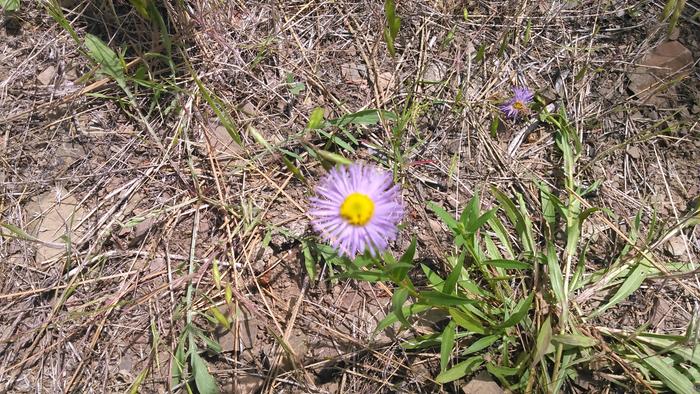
pixel 476 224
pixel 434 279
pixel 334 139
pixel 556 278
pixel 521 309
pixel 447 343
pixel 407 257
pixel 368 276
pixel 544 339
pixel 407 311
pixel 635 279
pixel 500 371
pixel 507 264
pixel 481 344
pixel 451 281
pixel 309 261
pixel 202 378
pixel 397 300
pixel 549 203
pixel 109 61
pixel 398 271
pixel 178 362
pixel 445 216
pixel 574 340
pixel 467 320
pixel 364 117
pixel 9 5
pixel 437 298
pixel 499 229
pixel 675 380
pixel 460 370
pixel 470 211
pixel 422 342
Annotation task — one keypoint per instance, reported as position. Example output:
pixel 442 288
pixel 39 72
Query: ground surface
pixel 147 214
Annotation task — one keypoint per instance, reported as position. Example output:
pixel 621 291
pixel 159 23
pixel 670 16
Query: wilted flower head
pixel 517 105
pixel 357 208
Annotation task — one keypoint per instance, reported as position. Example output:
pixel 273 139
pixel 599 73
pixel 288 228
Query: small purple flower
pixel 357 208
pixel 518 105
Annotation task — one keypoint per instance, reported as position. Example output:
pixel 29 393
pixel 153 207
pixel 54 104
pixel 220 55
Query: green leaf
pixel 333 157
pixel 556 278
pixel 220 318
pixel 574 340
pixel 213 345
pixel 407 256
pixel 293 169
pixel 447 343
pixel 202 378
pixel 219 108
pixel 134 388
pixel 519 312
pixel 500 371
pixel 364 117
pixel 309 261
pixel 393 25
pixel 368 276
pixel 397 300
pixel 635 279
pixel 675 380
pixel 481 344
pixel 296 87
pixel 109 61
pixel 544 339
pixel 178 362
pixel 407 311
pixel 141 7
pixel 9 5
pixel 460 370
pixel 508 264
pixel 445 216
pixel 316 119
pixel 437 298
pixel 467 320
pixel 451 282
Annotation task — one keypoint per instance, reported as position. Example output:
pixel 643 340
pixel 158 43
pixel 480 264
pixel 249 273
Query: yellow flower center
pixel 519 105
pixel 357 209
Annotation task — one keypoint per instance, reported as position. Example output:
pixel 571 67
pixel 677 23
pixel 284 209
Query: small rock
pixel 634 152
pixel 249 109
pixel 246 384
pixel 482 384
pixel 353 73
pixel 662 62
pixel 383 81
pixel 676 246
pixel 53 215
pixel 434 72
pixel 45 76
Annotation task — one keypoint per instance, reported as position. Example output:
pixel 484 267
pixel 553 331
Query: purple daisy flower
pixel 357 208
pixel 517 105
